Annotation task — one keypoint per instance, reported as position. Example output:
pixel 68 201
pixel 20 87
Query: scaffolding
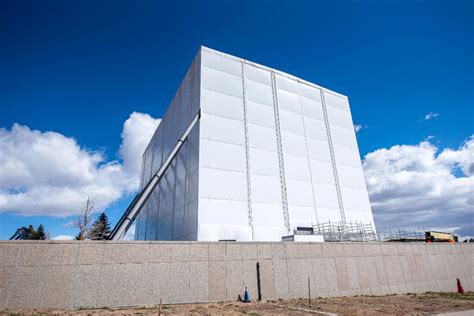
pixel 349 231
pixel 403 234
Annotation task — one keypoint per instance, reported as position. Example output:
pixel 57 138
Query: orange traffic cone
pixel 460 289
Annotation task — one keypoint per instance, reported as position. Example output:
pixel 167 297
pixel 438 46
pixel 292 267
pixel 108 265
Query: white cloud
pixel 359 127
pixel 418 186
pixel 47 173
pixel 137 132
pixel 429 116
pixel 63 237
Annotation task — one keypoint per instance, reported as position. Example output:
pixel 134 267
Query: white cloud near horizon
pixel 429 116
pixel 359 127
pixel 47 173
pixel 63 237
pixel 420 186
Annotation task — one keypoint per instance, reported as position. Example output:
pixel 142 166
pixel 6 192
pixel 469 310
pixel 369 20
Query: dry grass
pixel 409 304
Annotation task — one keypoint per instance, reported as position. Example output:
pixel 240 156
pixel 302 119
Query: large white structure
pixel 270 152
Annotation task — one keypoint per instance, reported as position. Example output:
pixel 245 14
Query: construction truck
pixel 434 236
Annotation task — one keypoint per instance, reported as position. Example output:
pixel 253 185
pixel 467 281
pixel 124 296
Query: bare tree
pixel 84 219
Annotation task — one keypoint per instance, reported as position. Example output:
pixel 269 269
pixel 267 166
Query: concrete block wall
pixel 72 274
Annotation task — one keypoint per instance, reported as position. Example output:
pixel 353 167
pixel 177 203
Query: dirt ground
pixel 410 304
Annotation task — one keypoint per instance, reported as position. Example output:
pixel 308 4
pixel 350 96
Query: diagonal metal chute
pixel 135 207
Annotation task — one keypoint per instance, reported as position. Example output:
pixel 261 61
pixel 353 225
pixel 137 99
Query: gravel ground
pixel 410 304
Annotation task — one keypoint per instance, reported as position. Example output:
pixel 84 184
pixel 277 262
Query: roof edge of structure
pixel 279 72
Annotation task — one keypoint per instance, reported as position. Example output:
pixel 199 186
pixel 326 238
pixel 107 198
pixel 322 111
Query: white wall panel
pixel 286 84
pixel 222 156
pixel 325 195
pixel 302 213
pixel 311 93
pixel 299 193
pixel 315 129
pixel 312 109
pixel 291 122
pixel 328 215
pixel 260 114
pixel 351 177
pixel 304 216
pixel 262 137
pixel 222 82
pixel 224 232
pixel 153 215
pixel 222 212
pixel 222 104
pixel 269 233
pixel 168 197
pixel 178 223
pixel 265 189
pixel 258 92
pixel 167 227
pixel 180 196
pixel 343 136
pixel 318 149
pixel 293 144
pixel 222 129
pixel 221 63
pixel 289 101
pixel 347 156
pixel 182 163
pixel 192 186
pixel 321 171
pixel 192 142
pixel 264 162
pixel 257 74
pixel 266 214
pixel 336 101
pixel 355 199
pixel 339 117
pixel 222 184
pixel 357 217
pixel 191 217
pixel 296 167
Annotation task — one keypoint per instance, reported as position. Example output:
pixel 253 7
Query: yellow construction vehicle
pixel 434 236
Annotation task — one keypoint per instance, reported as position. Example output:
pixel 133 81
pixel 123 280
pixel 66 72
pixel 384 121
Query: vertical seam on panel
pixel 157 209
pixel 159 185
pixel 186 174
pixel 284 196
pixel 148 202
pixel 247 154
pixel 145 206
pixel 174 194
pixel 333 159
pixel 307 154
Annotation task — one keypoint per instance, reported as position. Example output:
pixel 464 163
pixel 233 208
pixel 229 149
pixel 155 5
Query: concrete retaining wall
pixel 97 274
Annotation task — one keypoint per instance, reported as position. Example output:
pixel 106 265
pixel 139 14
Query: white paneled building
pixel 269 153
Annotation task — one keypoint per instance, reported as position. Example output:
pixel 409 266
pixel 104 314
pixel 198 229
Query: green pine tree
pixel 31 232
pixel 35 234
pixel 40 235
pixel 100 229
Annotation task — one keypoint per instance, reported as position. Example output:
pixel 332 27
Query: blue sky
pixel 81 68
